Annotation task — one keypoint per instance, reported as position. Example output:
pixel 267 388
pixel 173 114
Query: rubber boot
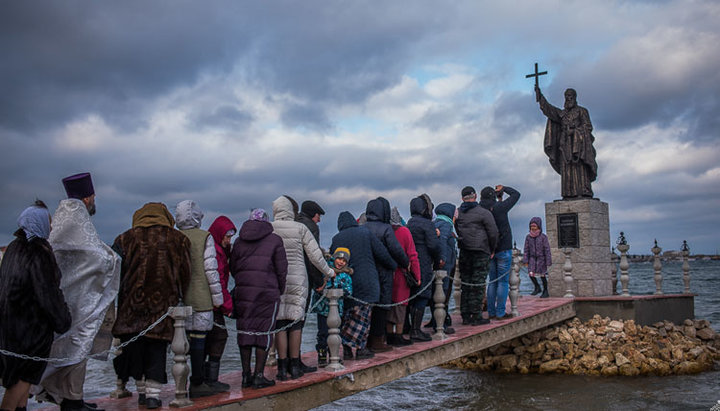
pixel 323 355
pixel 537 289
pixel 545 288
pixel 212 372
pixel 282 369
pixel 347 352
pixel 295 368
pixel 417 334
pixel 142 397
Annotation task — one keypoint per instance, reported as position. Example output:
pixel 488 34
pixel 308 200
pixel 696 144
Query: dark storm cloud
pixel 222 117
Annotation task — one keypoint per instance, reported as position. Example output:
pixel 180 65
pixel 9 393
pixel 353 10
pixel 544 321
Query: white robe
pixel 90 279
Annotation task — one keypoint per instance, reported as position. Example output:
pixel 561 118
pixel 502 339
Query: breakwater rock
pixel 602 346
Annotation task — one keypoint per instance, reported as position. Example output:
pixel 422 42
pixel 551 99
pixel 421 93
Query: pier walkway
pixel 322 387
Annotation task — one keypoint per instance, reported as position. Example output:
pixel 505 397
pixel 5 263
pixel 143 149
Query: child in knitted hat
pixel 338 262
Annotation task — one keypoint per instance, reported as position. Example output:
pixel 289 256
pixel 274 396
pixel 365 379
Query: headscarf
pixel 152 214
pixel 395 218
pixel 35 221
pixel 188 215
pixel 258 214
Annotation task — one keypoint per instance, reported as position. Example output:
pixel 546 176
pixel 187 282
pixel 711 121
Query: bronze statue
pixel 569 144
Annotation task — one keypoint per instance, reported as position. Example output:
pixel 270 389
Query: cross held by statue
pixel 536 75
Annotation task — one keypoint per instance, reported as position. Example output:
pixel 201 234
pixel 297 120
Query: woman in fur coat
pixel 32 306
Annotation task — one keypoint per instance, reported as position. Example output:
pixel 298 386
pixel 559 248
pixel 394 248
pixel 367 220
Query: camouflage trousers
pixel 474 266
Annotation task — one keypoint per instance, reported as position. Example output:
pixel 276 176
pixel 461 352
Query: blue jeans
pixel 497 290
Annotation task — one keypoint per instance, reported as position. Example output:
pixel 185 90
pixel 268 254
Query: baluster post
pixel 180 347
pixel 333 321
pixel 686 266
pixel 439 311
pixel 657 267
pixel 614 270
pixel 567 268
pixel 623 247
pixel 457 287
pixel 515 282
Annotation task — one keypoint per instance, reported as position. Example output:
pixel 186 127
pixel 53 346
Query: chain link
pixel 397 303
pixel 277 330
pixel 522 269
pixel 111 350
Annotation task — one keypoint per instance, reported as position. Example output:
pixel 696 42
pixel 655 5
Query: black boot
pixel 295 368
pixel 417 334
pixel 347 352
pixel 282 369
pixel 545 288
pixel 537 289
pixel 212 372
pixel 402 341
pixel 260 381
pixel 247 379
pixel 306 368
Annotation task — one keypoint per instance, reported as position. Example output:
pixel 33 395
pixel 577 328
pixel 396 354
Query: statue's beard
pixel 569 105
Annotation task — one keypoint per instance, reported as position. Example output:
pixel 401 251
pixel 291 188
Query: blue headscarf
pixel 35 221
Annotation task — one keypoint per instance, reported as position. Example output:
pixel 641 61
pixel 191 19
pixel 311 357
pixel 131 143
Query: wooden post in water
pixel 180 347
pixel 439 311
pixel 624 277
pixel 686 266
pixel 333 322
pixel 613 270
pixel 567 268
pixel 515 282
pixel 657 266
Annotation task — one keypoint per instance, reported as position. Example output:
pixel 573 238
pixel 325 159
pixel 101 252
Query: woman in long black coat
pixel 32 306
pixel 259 266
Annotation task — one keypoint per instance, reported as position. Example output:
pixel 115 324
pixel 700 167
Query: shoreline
pixel 603 347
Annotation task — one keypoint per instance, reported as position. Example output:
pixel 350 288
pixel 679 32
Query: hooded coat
pixel 427 243
pixel 155 272
pixel 377 214
pixel 297 239
pixel 32 307
pixel 401 291
pixel 259 266
pixel 218 229
pixel 536 252
pixel 315 277
pixel 366 251
pixel 448 239
pixel 204 291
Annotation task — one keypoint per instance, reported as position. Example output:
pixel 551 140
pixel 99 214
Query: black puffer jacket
pixel 426 240
pixel 365 251
pixel 378 222
pixel 315 277
pixel 476 229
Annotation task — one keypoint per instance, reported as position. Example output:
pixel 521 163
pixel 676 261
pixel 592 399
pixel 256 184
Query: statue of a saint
pixel 569 145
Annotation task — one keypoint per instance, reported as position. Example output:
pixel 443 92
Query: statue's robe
pixel 569 146
pixel 90 282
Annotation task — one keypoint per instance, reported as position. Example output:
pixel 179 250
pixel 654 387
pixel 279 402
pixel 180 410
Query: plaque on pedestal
pixel 583 225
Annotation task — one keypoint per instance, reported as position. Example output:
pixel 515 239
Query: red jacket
pixel 401 291
pixel 218 229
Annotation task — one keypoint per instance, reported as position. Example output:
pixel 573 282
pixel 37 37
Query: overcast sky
pixel 232 103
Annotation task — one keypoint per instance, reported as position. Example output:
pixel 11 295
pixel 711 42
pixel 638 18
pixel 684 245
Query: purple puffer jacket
pixel 259 267
pixel 537 250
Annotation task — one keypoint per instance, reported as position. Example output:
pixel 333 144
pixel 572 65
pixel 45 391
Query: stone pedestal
pixel 591 263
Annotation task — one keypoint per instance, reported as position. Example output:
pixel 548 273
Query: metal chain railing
pixel 98 355
pixel 277 330
pixel 490 282
pixel 392 304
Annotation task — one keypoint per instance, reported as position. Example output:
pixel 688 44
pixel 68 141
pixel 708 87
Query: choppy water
pixel 438 388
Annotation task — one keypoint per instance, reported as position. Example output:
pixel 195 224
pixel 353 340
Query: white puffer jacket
pixel 296 239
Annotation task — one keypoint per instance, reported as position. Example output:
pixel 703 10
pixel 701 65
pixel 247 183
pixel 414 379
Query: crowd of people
pixel 61 286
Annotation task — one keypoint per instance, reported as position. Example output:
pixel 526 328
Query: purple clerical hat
pixel 79 186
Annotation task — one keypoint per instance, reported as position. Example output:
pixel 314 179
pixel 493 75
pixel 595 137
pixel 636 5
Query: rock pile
pixel 602 346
